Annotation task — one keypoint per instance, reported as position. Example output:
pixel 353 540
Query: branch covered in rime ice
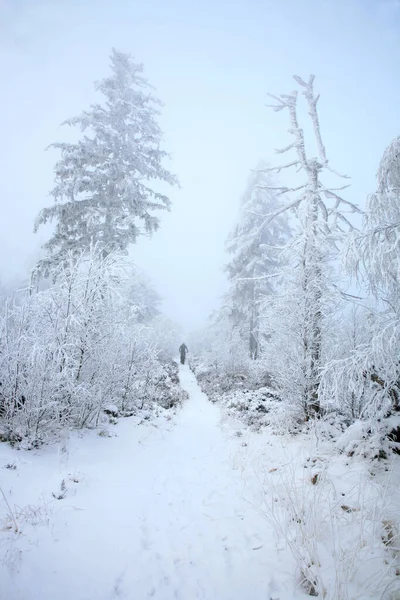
pixel 282 189
pixel 284 209
pixel 277 170
pixel 260 277
pixel 312 108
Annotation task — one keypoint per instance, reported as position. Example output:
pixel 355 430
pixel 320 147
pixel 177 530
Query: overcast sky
pixel 213 63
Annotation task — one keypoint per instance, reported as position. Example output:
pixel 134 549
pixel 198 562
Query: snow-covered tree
pixel 166 335
pixel 321 219
pixel 144 299
pixel 255 254
pixel 373 254
pixel 104 186
pixel 221 347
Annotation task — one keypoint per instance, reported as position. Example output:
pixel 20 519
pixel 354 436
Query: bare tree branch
pixel 332 189
pixel 328 168
pixel 340 200
pixel 273 216
pixel 279 169
pixel 286 149
pixel 281 190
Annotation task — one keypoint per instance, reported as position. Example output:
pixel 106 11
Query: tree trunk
pixel 254 347
pixel 313 295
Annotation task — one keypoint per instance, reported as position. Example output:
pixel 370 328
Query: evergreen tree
pixel 103 186
pixel 255 255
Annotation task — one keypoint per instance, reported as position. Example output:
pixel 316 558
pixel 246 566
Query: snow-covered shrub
pixel 69 352
pixel 262 408
pixel 216 379
pixel 247 395
pixel 219 356
pixel 376 442
pixel 334 519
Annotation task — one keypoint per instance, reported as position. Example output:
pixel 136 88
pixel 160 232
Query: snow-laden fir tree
pixel 255 255
pixel 105 189
pixel 303 313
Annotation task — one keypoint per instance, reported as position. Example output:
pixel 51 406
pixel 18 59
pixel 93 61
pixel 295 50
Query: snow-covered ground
pixel 155 512
pixel 195 507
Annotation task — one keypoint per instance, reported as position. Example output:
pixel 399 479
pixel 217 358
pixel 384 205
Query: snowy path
pixel 158 513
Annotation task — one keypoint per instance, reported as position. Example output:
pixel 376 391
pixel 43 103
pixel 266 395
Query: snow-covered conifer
pixel 104 185
pixel 255 254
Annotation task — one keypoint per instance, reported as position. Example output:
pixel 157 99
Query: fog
pixel 212 64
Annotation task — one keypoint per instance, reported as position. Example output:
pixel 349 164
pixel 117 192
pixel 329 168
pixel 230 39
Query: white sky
pixel 213 63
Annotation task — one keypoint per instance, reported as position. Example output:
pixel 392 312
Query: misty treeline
pixel 291 321
pixel 85 341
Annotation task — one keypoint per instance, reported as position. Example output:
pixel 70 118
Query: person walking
pixel 183 350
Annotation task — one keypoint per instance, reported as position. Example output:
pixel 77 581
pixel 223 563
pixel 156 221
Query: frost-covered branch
pixel 295 163
pixel 312 111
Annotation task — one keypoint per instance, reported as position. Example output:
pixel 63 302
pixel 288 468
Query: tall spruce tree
pixel 104 190
pixel 255 254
